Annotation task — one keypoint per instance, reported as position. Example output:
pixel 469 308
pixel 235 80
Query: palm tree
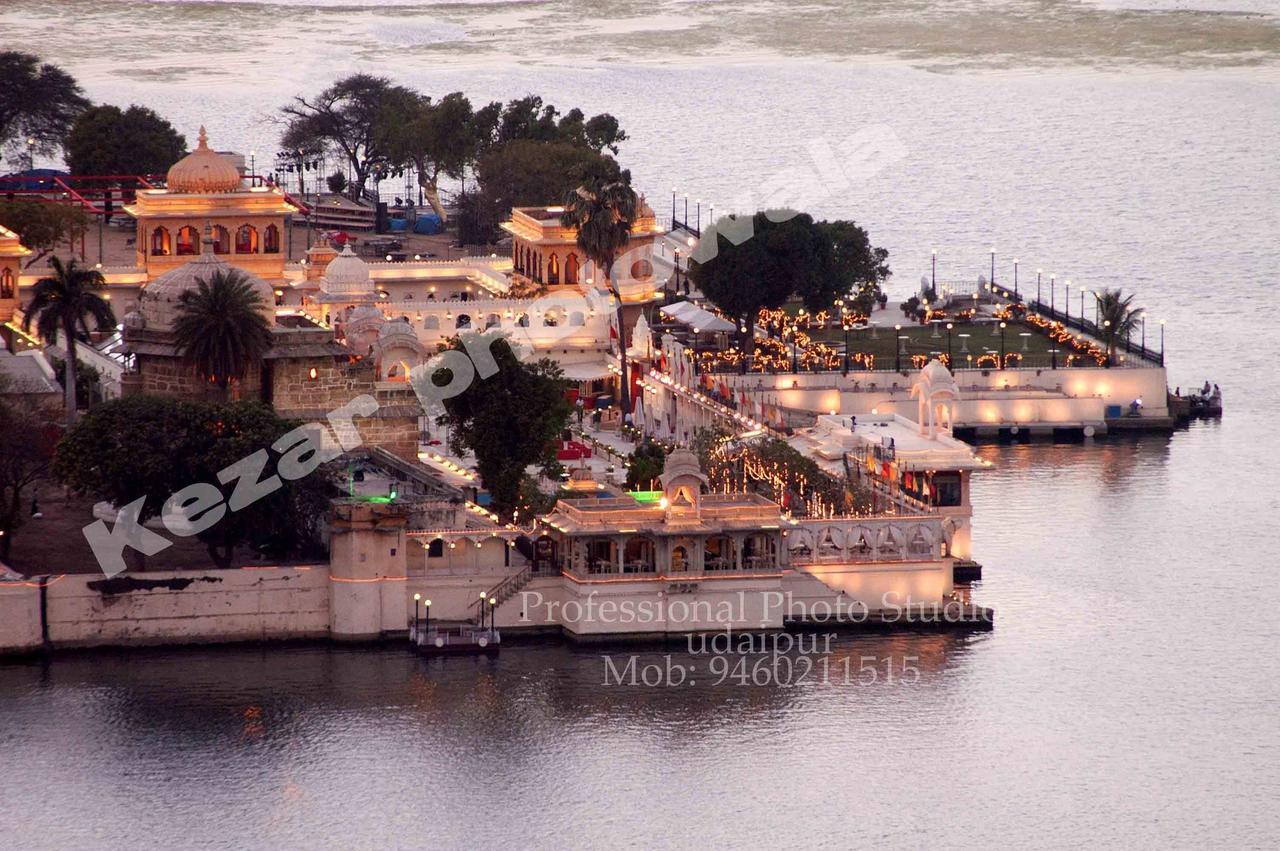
pixel 602 212
pixel 1118 318
pixel 220 327
pixel 64 302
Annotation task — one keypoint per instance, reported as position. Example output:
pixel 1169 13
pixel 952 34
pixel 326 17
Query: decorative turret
pixel 682 482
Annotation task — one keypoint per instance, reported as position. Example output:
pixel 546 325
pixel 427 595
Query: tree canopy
pixel 42 225
pixel 787 255
pixel 153 446
pixel 108 140
pixel 38 101
pixel 526 173
pixel 439 139
pixel 25 454
pixel 61 306
pixel 529 119
pixel 220 327
pixel 355 119
pixel 510 420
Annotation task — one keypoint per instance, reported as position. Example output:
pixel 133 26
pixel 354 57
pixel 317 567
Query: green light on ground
pixel 645 497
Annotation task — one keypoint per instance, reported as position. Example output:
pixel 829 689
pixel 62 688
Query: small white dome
pixel 347 274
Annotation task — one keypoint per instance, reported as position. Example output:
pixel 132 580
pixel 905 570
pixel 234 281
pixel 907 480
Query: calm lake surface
pixel 1128 693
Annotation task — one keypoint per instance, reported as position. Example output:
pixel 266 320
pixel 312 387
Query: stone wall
pixel 175 377
pixel 296 394
pixel 163 607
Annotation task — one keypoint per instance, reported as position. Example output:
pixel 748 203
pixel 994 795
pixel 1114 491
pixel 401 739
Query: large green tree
pixel 602 212
pixel 63 304
pixel 43 225
pixel 529 119
pixel 354 119
pixel 526 173
pixel 745 278
pixel 108 140
pixel 25 455
pixel 439 139
pixel 152 447
pixel 38 102
pixel 220 327
pixel 509 420
pixel 858 266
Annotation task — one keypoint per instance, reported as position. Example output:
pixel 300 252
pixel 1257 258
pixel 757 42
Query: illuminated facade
pixel 12 255
pixel 204 192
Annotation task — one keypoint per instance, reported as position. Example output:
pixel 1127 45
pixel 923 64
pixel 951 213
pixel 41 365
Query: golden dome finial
pixel 203 170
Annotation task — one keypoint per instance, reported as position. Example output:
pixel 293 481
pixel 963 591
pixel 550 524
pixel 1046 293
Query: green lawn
pixel 982 338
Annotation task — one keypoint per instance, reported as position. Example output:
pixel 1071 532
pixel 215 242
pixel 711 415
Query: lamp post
pixel 1097 307
pixel 1082 290
pixel 493 605
pixel 1162 342
pixel 1053 353
pixel 933 270
pixel 697 203
pixel 417 598
pixel 1002 327
pixel 1053 299
pixel 1015 279
pixel 950 364
pixel 1067 301
pixel 993 269
pixel 31 153
pixel 1142 317
pixel 673 208
pixel 1038 273
pixel 483 597
pixel 897 352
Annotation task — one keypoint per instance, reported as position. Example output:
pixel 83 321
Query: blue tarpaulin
pixel 428 223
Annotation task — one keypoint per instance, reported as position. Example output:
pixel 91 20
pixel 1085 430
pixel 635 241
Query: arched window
pixel 494 321
pixel 553 270
pixel 641 269
pixel 571 269
pixel 221 240
pixel 551 319
pixel 160 243
pixel 188 241
pixel 6 283
pixel 271 240
pixel 247 240
pixel 522 320
pixel 431 323
pixel 464 321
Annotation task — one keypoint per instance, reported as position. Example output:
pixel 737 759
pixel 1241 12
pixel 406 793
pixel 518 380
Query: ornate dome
pixel 347 274
pixel 159 298
pixel 204 170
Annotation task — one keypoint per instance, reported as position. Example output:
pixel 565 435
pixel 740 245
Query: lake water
pixel 1128 693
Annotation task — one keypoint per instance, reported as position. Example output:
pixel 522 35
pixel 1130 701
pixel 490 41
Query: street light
pixel 933 272
pixel 897 354
pixel 1162 342
pixel 993 268
pixel 1068 301
pixel 1053 299
pixel 1053 353
pixel 483 597
pixel 31 154
pixel 417 598
pixel 1015 278
pixel 493 604
pixel 1082 292
pixel 426 610
pixel 1002 327
pixel 950 363
pixel 1038 273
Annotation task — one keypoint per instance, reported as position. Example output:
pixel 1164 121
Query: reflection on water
pixel 1127 694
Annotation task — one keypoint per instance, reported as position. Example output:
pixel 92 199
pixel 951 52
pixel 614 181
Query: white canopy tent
pixel 697 318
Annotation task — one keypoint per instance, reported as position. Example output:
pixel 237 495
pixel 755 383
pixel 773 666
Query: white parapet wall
pixel 1009 396
pixel 90 610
